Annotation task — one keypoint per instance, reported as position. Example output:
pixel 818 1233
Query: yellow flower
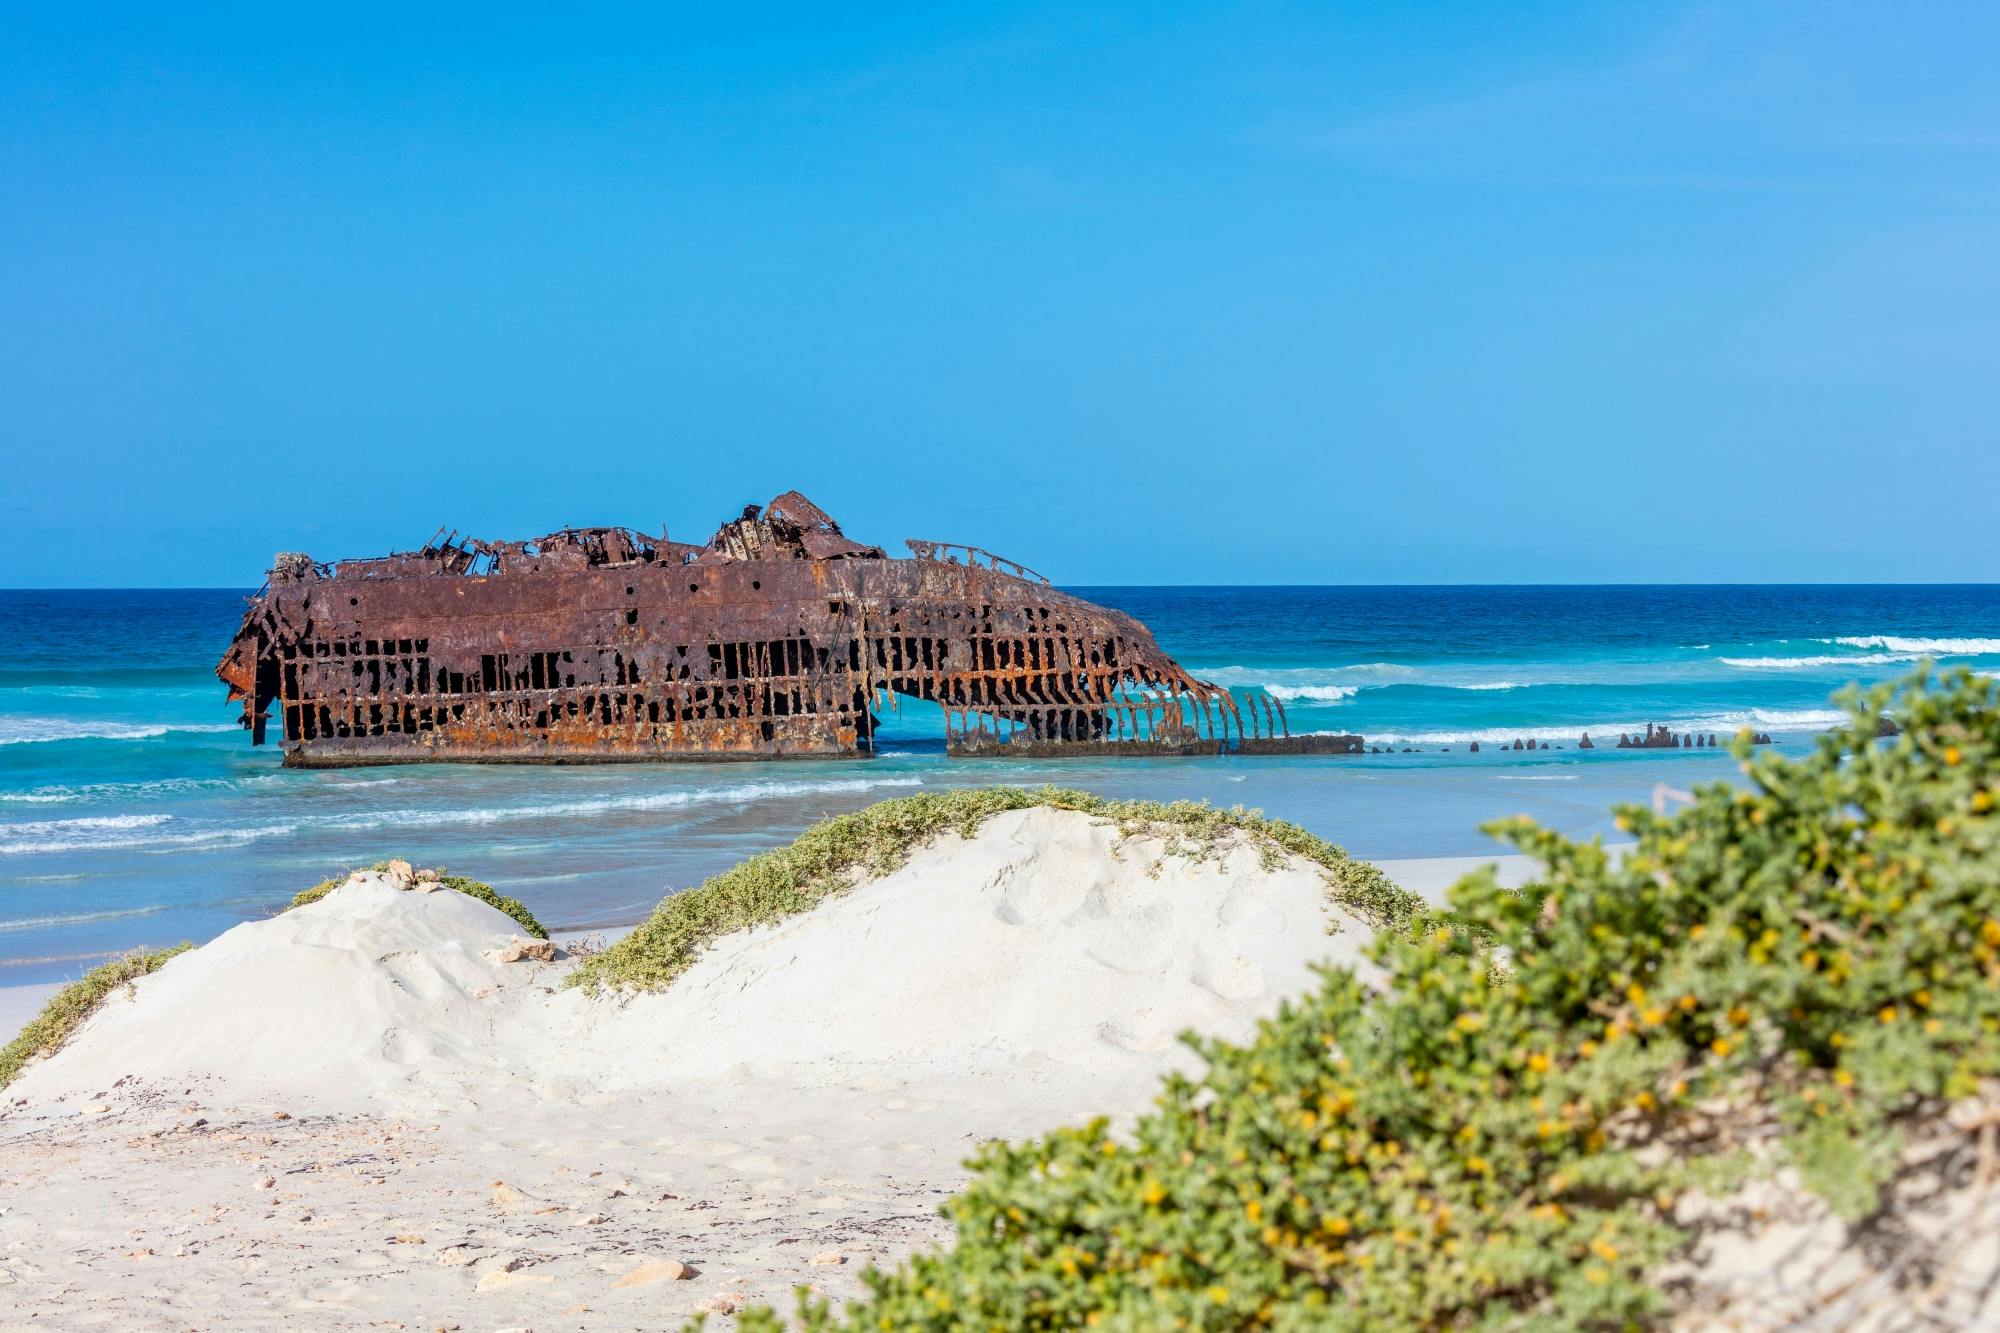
pixel 1721 1046
pixel 1154 1192
pixel 1843 1078
pixel 1604 1249
pixel 1219 1295
pixel 1253 1210
pixel 1888 1014
pixel 1336 1226
pixel 1739 1016
pixel 1587 1050
pixel 1951 755
pixel 1644 1101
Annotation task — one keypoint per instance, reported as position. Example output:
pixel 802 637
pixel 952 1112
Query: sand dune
pixel 310 1114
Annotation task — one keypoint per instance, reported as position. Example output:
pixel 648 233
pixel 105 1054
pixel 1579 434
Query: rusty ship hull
pixel 779 638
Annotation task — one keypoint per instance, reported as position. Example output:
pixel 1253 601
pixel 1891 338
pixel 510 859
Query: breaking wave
pixel 1921 647
pixel 1818 660
pixel 34 730
pixel 1325 694
pixel 147 832
pixel 1335 683
pixel 74 918
pixel 120 791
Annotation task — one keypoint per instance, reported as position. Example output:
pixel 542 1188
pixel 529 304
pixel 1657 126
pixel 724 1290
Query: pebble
pixel 827 1258
pixel 656 1270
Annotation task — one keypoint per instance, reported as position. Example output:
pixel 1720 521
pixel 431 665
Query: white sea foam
pixel 1334 683
pixel 56 827
pixel 35 730
pixel 1897 643
pixel 126 791
pixel 143 832
pixel 73 918
pixel 665 800
pixel 1325 694
pixel 1817 660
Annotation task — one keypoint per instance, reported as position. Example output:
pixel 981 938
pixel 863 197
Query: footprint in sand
pixel 1232 977
pixel 753 1164
pixel 913 1106
pixel 1136 941
pixel 1135 1034
pixel 400 1046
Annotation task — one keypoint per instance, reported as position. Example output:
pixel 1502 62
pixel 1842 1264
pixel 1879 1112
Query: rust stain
pixel 779 638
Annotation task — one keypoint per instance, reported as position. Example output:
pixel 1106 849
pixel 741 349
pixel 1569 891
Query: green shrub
pixel 831 856
pixel 471 888
pixel 1502 1137
pixel 70 1006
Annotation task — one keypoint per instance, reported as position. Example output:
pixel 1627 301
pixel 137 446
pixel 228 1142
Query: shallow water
pixel 134 812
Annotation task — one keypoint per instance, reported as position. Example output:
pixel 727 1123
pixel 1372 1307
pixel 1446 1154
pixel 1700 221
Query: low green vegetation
pixel 471 888
pixel 1507 1135
pixel 832 856
pixel 70 1006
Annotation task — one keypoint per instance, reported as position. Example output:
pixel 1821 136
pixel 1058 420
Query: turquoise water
pixel 134 812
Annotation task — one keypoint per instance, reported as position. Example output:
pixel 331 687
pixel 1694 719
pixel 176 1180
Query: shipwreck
pixel 779 638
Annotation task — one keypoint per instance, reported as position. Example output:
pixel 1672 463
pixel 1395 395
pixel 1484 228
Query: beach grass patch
pixel 69 1007
pixel 835 854
pixel 1518 1128
pixel 471 888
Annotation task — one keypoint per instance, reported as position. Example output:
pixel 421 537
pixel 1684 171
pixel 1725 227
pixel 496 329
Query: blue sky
pixel 1245 293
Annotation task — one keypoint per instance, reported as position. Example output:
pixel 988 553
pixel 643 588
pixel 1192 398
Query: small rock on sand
pixel 656 1270
pixel 724 1304
pixel 267 1182
pixel 520 949
pixel 828 1258
pixel 504 1194
pixel 501 1278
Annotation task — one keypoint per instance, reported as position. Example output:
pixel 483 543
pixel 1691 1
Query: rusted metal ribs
pixel 781 637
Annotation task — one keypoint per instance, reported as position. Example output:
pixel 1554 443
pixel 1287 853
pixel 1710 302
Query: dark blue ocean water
pixel 133 811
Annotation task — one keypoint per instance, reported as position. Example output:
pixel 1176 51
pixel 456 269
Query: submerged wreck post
pixel 779 638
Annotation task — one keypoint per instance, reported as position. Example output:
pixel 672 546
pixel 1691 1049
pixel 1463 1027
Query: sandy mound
pixel 342 996
pixel 314 1109
pixel 1047 935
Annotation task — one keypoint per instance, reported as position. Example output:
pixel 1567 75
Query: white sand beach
pixel 350 1115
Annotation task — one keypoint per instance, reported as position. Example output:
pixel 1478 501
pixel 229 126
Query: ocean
pixel 134 812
